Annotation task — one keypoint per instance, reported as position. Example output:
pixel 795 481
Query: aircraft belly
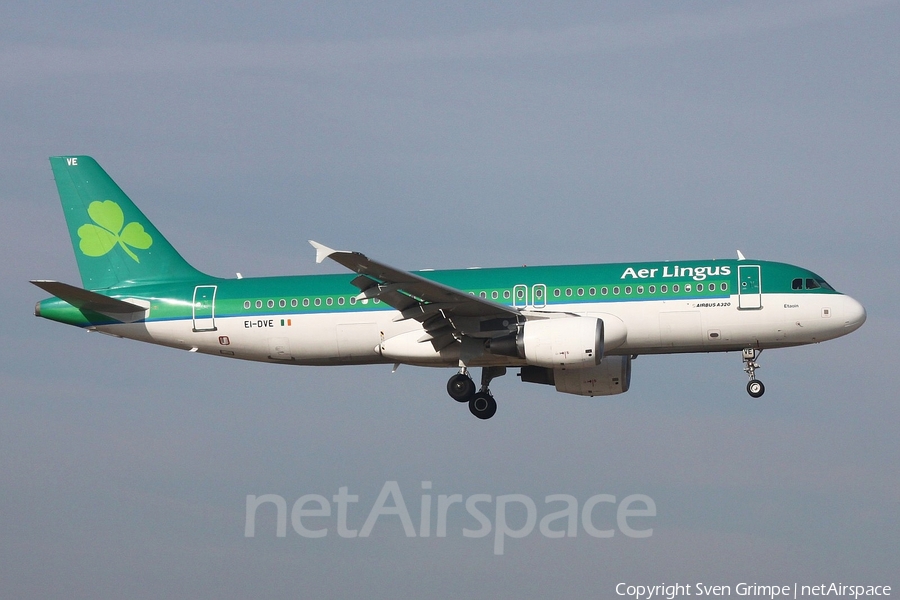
pixel 172 333
pixel 358 340
pixel 300 339
pixel 337 338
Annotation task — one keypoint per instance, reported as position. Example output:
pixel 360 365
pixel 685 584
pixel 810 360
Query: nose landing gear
pixel 462 389
pixel 755 387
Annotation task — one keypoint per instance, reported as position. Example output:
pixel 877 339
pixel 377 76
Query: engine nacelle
pixel 571 342
pixel 611 376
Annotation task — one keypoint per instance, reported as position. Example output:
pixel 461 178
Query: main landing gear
pixel 755 387
pixel 462 389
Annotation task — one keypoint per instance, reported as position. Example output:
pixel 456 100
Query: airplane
pixel 575 327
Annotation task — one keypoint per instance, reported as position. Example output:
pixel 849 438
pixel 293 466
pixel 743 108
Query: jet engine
pixel 611 376
pixel 571 342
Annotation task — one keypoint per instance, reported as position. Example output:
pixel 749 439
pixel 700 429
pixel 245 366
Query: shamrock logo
pixel 97 240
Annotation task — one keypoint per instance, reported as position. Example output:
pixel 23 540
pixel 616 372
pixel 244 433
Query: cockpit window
pixel 810 283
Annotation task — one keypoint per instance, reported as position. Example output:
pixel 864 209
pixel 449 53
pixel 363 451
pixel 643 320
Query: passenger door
pixel 204 306
pixel 749 287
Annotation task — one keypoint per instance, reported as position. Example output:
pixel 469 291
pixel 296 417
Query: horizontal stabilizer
pixel 87 300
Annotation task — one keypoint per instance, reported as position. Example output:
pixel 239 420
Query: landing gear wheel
pixel 756 388
pixel 483 405
pixel 461 387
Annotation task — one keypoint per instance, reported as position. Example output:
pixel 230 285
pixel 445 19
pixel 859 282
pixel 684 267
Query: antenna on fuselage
pixel 741 255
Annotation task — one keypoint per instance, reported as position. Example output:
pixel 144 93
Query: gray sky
pixel 492 135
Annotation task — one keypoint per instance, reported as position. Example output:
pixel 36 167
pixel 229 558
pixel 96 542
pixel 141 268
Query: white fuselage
pixel 634 327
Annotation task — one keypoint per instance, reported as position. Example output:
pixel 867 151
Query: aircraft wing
pixel 446 312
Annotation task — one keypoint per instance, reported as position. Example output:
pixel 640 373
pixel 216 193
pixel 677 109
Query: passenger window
pixel 538 293
pixel 797 284
pixel 640 289
pixel 699 287
pixel 294 303
pixel 568 291
pixel 483 295
pixel 723 286
pixel 675 288
pixel 664 288
pixel 246 305
pixel 329 301
pixel 556 292
pixel 305 302
pixel 604 291
pixel 506 295
pixel 627 289
pixel 282 303
pixel 259 304
pixel 652 289
pixel 581 291
pixel 616 291
pixel 687 287
pixel 318 302
pixel 352 300
pixel 270 304
pixel 341 301
pixel 494 295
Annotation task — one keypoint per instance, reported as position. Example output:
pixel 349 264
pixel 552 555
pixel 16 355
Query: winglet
pixel 322 251
pixel 741 255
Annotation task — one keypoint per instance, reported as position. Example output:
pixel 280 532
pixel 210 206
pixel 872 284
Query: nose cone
pixel 854 314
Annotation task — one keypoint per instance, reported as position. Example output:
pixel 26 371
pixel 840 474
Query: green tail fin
pixel 115 244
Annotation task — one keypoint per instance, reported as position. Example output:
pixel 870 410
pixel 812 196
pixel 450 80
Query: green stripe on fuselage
pixel 173 300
